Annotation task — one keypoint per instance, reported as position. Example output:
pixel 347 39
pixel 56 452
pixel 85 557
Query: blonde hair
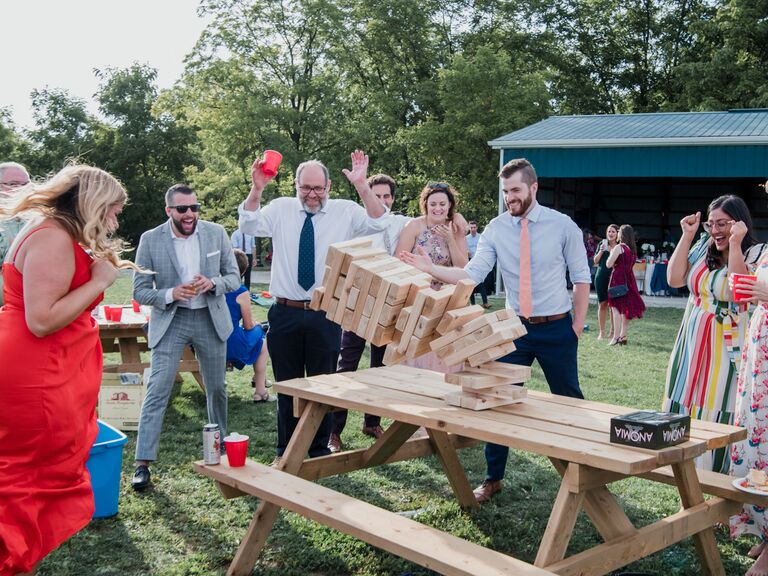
pixel 78 197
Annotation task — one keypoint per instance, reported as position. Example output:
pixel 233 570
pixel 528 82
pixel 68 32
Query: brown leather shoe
pixel 375 431
pixel 334 443
pixel 487 490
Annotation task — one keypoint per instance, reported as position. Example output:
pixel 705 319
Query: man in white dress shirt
pixel 303 341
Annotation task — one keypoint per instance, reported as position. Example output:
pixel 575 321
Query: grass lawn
pixel 184 527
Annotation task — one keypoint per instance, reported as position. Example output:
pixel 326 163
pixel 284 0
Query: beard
pixel 313 209
pixel 177 223
pixel 518 209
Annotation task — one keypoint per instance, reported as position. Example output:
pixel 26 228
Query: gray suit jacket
pixel 217 262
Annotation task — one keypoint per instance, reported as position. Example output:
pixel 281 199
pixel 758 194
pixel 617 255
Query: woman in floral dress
pixel 436 234
pixel 701 375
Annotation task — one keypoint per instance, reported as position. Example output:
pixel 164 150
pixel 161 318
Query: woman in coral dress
pixel 701 375
pixel 51 358
pixel 436 234
pixel 630 305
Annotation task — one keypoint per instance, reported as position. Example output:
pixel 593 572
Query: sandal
pixel 259 398
pixel 267 383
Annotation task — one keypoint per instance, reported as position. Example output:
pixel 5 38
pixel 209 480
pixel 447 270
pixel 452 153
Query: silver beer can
pixel 211 444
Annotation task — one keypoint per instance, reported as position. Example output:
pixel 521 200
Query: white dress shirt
pixel 187 250
pixel 282 220
pixel 388 238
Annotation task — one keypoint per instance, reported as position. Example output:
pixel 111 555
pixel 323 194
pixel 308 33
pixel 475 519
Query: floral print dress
pixel 752 413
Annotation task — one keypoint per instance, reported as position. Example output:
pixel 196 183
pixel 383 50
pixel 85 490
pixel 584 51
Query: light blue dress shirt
pixel 472 244
pixel 557 245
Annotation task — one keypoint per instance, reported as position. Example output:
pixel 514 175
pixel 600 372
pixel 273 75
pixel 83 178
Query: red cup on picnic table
pixel 738 280
pixel 236 446
pixel 272 160
pixel 136 306
pixel 117 313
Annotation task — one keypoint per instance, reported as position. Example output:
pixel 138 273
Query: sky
pixel 58 43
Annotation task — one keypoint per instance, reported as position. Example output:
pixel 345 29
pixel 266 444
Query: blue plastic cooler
pixel 105 461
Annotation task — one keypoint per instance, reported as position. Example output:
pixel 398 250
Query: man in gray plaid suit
pixel 193 267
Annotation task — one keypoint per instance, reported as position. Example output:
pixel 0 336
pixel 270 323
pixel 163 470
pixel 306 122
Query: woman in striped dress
pixel 701 376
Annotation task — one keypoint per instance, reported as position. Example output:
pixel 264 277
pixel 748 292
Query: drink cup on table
pixel 136 306
pixel 272 159
pixel 738 282
pixel 117 313
pixel 237 449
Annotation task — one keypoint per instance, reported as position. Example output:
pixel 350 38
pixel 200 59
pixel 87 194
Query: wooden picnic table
pixel 129 339
pixel 573 434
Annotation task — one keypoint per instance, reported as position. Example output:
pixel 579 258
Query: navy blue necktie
pixel 307 254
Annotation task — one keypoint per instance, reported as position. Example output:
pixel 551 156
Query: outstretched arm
pixel 420 260
pixel 358 177
pixel 259 181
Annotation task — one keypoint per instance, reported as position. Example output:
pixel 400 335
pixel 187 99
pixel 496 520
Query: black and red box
pixel 650 429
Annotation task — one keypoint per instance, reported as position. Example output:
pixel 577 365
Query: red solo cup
pixel 136 307
pixel 108 313
pixel 237 450
pixel 117 313
pixel 272 160
pixel 740 295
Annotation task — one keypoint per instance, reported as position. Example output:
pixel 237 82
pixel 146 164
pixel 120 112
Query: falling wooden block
pixel 512 372
pixel 425 326
pixel 413 318
pixel 379 301
pixel 472 381
pixel 352 298
pixel 382 335
pixel 368 306
pixel 398 291
pixel 511 391
pixel 490 354
pixel 339 287
pixel 392 356
pixel 460 344
pixel 347 320
pixel 362 326
pixel 477 401
pixel 463 330
pixel 461 293
pixel 391 271
pixel 452 319
pixel 360 254
pixel 416 286
pixel 331 312
pixel 436 303
pixel 317 298
pixel 416 347
pixel 496 339
pixel 389 314
pixel 402 319
pixel 334 260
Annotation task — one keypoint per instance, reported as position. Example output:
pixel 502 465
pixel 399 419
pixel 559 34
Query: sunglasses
pixel 438 186
pixel 183 209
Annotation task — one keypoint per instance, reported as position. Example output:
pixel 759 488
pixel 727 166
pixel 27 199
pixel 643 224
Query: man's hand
pixel 358 176
pixel 184 292
pixel 202 284
pixel 578 328
pixel 259 181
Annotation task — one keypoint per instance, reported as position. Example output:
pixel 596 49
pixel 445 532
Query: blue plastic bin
pixel 105 461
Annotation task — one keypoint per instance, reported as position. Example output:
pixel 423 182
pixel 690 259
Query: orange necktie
pixel 526 295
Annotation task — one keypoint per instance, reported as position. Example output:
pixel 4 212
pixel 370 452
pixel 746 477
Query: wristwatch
pixel 213 290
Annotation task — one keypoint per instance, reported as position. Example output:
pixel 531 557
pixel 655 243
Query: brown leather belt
pixel 543 319
pixel 293 303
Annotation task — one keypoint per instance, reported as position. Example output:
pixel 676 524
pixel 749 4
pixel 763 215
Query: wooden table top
pixel 553 426
pixel 129 319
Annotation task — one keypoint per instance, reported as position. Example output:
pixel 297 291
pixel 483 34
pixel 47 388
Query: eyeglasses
pixel 183 209
pixel 14 184
pixel 308 189
pixel 438 186
pixel 718 225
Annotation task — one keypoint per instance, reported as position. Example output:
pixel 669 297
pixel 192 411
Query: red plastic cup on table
pixel 272 160
pixel 136 306
pixel 236 446
pixel 117 313
pixel 738 280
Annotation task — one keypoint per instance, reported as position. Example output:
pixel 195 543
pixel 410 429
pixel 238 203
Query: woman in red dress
pixel 55 273
pixel 630 305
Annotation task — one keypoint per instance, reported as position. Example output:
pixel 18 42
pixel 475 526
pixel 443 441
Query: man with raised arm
pixel 533 247
pixel 303 341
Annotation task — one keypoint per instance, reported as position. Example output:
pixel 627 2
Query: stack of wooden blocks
pixel 387 302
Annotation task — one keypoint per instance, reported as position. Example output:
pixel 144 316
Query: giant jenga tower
pixel 386 301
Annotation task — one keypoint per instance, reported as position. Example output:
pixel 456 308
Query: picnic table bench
pixel 573 434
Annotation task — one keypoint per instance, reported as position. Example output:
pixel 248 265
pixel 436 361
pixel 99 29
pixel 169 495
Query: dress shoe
pixel 375 431
pixel 334 443
pixel 486 305
pixel 141 478
pixel 487 490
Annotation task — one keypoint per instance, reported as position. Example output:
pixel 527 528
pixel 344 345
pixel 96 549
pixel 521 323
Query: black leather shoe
pixel 141 478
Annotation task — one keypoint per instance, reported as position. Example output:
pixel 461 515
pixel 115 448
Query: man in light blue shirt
pixel 556 247
pixel 245 243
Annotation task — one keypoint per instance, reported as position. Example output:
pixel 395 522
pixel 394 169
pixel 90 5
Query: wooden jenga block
pixel 492 341
pixel 360 254
pixel 463 330
pixel 492 353
pixel 382 335
pixel 398 291
pixel 504 391
pixel 339 287
pixel 352 298
pixel 402 318
pixel 362 326
pixel 472 381
pixel 368 306
pixel 392 356
pixel 333 261
pixel 326 274
pixel 360 268
pixel 389 314
pixel 347 320
pixel 436 303
pixel 416 347
pixel 464 341
pixel 476 401
pixel 513 373
pixel 425 326
pixel 331 312
pixel 462 291
pixel 452 319
pixel 416 286
pixel 413 318
pixel 390 271
pixel 317 298
pixel 378 306
pixel 364 289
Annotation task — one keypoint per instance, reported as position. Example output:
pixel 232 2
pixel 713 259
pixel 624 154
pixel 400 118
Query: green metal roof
pixel 734 127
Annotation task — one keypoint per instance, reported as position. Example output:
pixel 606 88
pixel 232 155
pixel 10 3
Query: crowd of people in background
pixel 197 281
